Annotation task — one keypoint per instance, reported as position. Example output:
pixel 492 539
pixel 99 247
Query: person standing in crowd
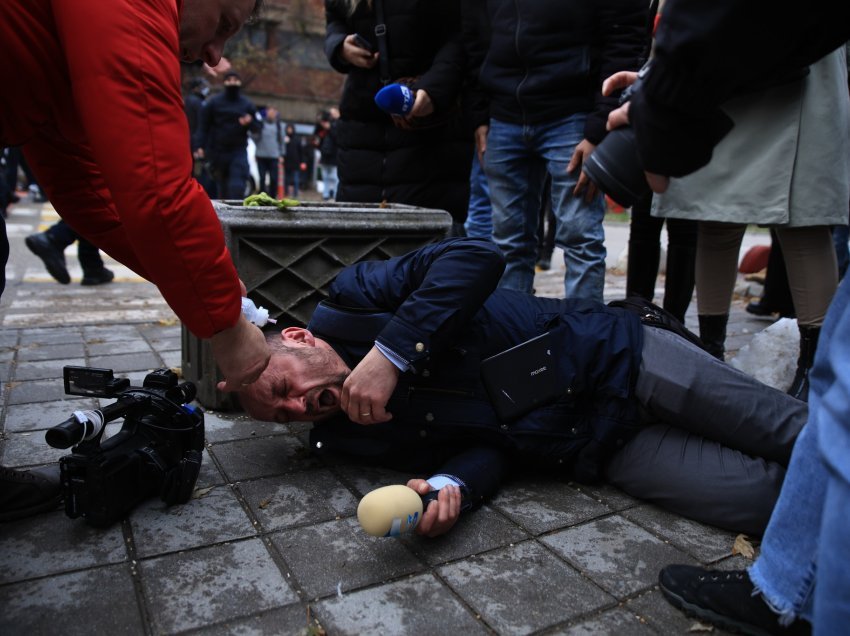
pixel 539 66
pixel 293 157
pixel 421 159
pixel 328 148
pixel 50 246
pixel 786 164
pixel 98 112
pixel 226 121
pixel 193 105
pixel 269 140
pixel 709 52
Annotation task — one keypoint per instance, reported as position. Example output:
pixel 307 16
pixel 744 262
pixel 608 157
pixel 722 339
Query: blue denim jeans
pixel 479 220
pixel 802 569
pixel 516 162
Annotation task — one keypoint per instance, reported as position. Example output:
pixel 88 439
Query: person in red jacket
pixel 91 91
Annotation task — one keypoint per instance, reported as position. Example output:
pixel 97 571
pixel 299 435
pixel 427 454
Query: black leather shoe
pixel 724 599
pixel 758 308
pixel 27 492
pixel 52 257
pixel 98 278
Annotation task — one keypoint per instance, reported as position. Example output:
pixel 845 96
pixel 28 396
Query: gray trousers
pixel 716 441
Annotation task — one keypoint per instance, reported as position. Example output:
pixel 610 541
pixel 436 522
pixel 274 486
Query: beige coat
pixel 786 161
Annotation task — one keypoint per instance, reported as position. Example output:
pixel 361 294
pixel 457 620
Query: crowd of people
pixel 510 99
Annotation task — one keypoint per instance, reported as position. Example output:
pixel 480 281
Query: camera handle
pixel 180 480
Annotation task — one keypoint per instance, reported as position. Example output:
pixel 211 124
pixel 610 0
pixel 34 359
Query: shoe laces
pixel 716 577
pixel 12 474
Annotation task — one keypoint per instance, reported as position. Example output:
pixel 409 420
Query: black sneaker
pixel 52 256
pixel 724 599
pixel 98 278
pixel 27 492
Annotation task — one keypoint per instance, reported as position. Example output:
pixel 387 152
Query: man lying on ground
pixel 390 370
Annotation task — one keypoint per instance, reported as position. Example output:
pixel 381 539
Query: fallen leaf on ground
pixel 744 547
pixel 265 503
pixel 201 492
pixel 700 627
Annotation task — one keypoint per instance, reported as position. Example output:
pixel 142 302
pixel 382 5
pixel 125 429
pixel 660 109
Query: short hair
pixel 230 74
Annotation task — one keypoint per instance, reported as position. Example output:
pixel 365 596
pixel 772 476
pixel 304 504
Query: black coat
pixel 541 60
pixel 376 160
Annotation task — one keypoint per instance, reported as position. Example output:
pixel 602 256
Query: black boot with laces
pixel 724 599
pixel 27 492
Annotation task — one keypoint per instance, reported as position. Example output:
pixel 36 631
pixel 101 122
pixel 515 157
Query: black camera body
pixel 156 452
pixel 615 166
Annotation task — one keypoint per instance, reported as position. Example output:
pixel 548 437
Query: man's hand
pixel 245 119
pixel 422 107
pixel 442 514
pixel 241 354
pixel 583 150
pixel 481 142
pixel 367 390
pixel 198 154
pixel 620 117
pixel 356 56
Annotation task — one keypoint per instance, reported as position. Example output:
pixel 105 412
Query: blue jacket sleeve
pixel 433 292
pixel 480 471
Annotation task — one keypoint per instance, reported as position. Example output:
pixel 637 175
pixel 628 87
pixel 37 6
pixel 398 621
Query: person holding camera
pixel 99 115
pixel 800 576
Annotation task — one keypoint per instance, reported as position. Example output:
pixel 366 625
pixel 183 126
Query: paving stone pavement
pixel 270 543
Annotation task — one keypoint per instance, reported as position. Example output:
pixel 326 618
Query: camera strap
pixel 180 480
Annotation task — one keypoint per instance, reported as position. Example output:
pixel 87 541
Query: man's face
pixel 205 25
pixel 302 383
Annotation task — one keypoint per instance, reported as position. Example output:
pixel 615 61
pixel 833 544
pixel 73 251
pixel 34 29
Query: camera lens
pixel 615 167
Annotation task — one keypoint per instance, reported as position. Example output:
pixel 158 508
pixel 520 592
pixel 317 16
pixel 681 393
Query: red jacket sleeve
pixel 122 59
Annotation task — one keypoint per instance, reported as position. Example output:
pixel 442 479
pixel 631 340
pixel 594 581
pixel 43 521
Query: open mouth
pixel 327 398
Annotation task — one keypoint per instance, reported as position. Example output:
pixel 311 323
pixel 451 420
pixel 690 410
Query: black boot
pixel 712 332
pixel 679 283
pixel 27 492
pixel 808 345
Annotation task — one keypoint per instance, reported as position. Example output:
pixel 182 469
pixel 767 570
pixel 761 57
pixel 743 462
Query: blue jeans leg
pixel 579 230
pixel 479 221
pixel 516 162
pixel 515 172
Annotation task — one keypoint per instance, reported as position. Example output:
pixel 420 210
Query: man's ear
pixel 298 336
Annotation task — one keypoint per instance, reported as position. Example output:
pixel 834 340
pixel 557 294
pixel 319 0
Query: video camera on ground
pixel 157 451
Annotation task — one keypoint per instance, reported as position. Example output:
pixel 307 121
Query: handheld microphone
pixel 395 99
pixel 390 511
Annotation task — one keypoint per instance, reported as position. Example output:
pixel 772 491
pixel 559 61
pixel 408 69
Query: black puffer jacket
pixel 377 161
pixel 541 60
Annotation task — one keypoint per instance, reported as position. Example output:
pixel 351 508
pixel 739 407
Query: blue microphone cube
pixel 395 99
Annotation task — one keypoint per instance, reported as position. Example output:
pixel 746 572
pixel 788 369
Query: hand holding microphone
pixel 391 511
pixel 403 103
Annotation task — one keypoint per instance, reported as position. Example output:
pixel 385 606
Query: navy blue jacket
pixel 221 131
pixel 537 61
pixel 444 315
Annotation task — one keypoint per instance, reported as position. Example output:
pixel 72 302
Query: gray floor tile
pixel 338 553
pixel 614 621
pixel 418 605
pixel 285 621
pixel 30 417
pixel 263 457
pixel 126 347
pixel 93 601
pixel 225 427
pixel 366 478
pixel 56 351
pixel 29 449
pixel 612 497
pixel 45 369
pixel 213 585
pixel 52 543
pixel 618 555
pixel 663 617
pixel 478 531
pixel 122 363
pixel 35 391
pixel 51 336
pixel 296 499
pixel 540 505
pixel 705 543
pixel 215 517
pixel 171 359
pixel 96 334
pixel 525 576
